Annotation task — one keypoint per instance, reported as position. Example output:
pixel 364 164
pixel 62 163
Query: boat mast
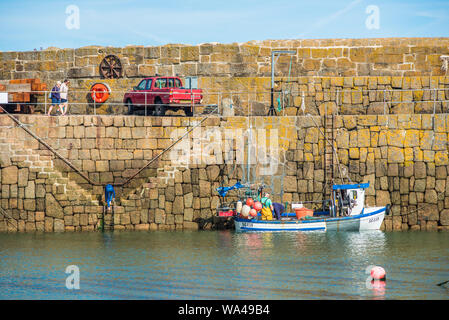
pixel 250 138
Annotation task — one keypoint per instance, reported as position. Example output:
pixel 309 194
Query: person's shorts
pixel 63 100
pixel 55 101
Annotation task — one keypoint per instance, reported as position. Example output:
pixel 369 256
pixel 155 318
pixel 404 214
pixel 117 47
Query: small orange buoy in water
pixel 257 206
pixel 378 273
pixel 253 212
pixel 249 202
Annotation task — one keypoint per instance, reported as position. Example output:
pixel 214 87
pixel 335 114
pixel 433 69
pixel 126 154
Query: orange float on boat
pixel 303 212
pixel 100 92
pixel 253 213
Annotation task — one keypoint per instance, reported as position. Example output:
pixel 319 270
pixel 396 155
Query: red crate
pixel 229 213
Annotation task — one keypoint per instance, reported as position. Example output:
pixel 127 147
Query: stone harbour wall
pixel 245 70
pixel 404 157
pixel 319 57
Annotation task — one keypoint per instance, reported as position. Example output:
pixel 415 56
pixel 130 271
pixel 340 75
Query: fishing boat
pixel 344 211
pixel 347 212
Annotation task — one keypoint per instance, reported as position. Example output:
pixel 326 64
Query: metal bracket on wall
pixel 274 57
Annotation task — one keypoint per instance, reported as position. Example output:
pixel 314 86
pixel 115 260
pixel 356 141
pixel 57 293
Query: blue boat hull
pixel 369 219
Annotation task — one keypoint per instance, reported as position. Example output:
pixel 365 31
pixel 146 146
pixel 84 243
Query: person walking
pixel 64 93
pixel 55 97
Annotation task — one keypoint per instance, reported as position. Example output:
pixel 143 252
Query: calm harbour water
pixel 224 265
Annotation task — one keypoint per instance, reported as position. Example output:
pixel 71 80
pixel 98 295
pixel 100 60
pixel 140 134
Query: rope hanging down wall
pixel 71 165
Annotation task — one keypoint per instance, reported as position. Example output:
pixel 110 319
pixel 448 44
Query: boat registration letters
pixel 374 219
pixel 247 224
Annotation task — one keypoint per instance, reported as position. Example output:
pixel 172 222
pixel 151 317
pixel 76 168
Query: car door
pixel 162 90
pixel 147 98
pixel 139 94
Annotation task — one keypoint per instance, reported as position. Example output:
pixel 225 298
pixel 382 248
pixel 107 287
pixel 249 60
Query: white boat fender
pixel 245 210
pixel 239 206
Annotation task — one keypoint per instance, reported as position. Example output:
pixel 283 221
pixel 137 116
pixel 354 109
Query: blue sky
pixel 26 25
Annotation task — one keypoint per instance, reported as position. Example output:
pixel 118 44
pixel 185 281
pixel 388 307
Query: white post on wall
pixel 45 101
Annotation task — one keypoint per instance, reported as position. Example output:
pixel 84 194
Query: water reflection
pixel 224 265
pixel 378 289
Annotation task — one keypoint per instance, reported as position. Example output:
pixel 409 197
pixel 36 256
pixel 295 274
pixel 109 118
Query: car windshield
pixel 142 85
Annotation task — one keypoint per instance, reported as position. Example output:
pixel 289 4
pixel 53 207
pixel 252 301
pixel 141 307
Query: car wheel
pixel 130 106
pixel 159 109
pixel 188 112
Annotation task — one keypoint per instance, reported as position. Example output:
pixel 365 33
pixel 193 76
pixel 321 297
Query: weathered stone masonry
pixel 404 157
pixel 396 140
pixel 245 67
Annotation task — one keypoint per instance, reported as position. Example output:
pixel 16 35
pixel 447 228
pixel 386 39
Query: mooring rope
pixel 71 165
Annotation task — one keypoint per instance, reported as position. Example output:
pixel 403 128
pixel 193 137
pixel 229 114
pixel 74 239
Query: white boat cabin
pixel 349 199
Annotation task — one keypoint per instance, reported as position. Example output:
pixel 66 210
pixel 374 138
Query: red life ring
pixel 100 92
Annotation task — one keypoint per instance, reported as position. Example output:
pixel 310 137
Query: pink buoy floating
pixel 378 273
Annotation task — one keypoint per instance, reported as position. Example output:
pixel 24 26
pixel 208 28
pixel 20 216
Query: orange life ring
pixel 100 92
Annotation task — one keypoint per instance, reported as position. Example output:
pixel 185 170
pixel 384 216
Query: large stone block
pixel 382 198
pixel 411 138
pixel 48 224
pixel 59 225
pixel 395 138
pixel 30 190
pixel 81 72
pixel 444 217
pixel 420 170
pixel 190 53
pixel 23 177
pixel 290 184
pixel 178 205
pixel 53 208
pixel 364 138
pixel 188 225
pixel 205 188
pixel 395 155
pixel 10 175
pixel 428 212
pixel 212 173
pixel 188 200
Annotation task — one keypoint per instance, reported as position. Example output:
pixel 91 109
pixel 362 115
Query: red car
pixel 160 94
